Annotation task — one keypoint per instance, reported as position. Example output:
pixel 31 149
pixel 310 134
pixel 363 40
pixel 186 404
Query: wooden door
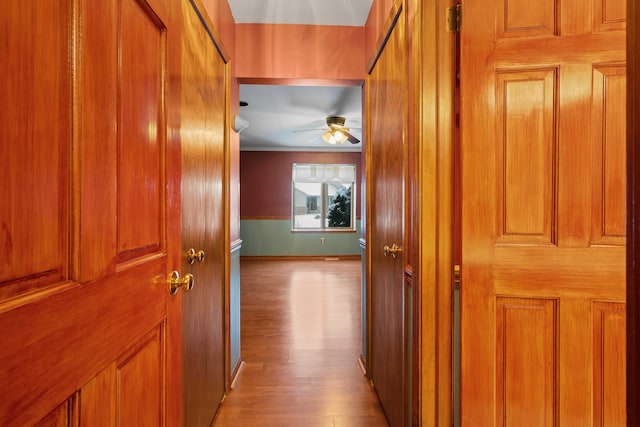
pixel 89 227
pixel 543 213
pixel 204 106
pixel 386 153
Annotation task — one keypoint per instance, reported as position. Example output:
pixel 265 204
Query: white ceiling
pixel 313 12
pixel 293 118
pixel 277 114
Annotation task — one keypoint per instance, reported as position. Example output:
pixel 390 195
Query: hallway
pixel 300 323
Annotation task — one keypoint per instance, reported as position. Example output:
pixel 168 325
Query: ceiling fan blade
pixel 308 130
pixel 352 139
pixel 348 96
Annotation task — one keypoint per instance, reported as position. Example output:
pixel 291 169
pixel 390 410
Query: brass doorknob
pixel 394 250
pixel 175 282
pixel 193 256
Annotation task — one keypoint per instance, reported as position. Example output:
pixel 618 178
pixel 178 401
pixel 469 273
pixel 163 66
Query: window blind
pixel 303 172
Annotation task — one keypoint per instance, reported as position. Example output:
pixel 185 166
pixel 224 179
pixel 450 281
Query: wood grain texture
pixel 96 119
pixel 609 144
pixel 224 30
pixel 173 209
pixel 609 15
pixel 62 416
pixel 573 266
pixel 609 364
pixel 538 20
pixel 141 132
pixel 98 401
pixel 633 215
pixel 57 341
pixel 526 157
pixel 526 362
pixel 386 90
pixel 204 146
pixel 432 67
pixel 140 390
pixel 300 326
pixel 46 361
pixel 35 177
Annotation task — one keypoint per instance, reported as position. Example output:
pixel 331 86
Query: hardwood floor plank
pixel 300 343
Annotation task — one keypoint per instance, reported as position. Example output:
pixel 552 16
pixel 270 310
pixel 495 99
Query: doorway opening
pixel 286 124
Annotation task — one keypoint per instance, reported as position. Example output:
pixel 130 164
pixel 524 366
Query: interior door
pixel 89 227
pixel 204 106
pixel 543 213
pixel 385 99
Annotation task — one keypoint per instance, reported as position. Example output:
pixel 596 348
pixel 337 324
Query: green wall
pixel 273 237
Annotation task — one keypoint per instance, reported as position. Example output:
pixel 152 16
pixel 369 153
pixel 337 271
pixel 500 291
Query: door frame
pixel 432 127
pixel 633 214
pixel 430 210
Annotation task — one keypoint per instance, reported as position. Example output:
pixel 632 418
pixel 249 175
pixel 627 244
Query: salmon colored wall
pixel 280 53
pixel 267 51
pixel 309 52
pixel 266 180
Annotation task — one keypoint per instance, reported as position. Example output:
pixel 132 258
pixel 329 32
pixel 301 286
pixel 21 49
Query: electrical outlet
pixel 322 240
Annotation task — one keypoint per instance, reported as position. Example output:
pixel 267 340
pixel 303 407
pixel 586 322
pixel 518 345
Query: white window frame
pixel 324 174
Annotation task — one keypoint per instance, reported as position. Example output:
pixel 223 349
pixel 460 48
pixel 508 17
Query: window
pixel 323 195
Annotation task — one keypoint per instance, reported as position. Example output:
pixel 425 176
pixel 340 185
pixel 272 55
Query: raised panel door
pixel 542 194
pixel 89 224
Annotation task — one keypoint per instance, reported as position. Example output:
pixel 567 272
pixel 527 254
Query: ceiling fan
pixel 336 131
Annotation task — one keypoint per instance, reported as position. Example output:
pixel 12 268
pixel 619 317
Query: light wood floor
pixel 300 342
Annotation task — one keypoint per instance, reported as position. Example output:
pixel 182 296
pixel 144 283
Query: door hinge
pixel 454 18
pixel 457 277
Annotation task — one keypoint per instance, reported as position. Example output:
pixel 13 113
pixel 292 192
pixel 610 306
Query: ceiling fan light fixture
pixel 335 121
pixel 339 136
pixel 336 131
pixel 329 138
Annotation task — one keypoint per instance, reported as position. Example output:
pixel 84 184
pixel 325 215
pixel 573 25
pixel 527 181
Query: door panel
pixel 204 101
pixel 525 383
pixel 112 396
pixel 59 417
pixel 609 148
pixel 97 93
pixel 98 403
pixel 140 132
pixel 609 364
pixel 140 373
pixel 543 208
pixel 386 153
pixel 33 219
pixel 84 304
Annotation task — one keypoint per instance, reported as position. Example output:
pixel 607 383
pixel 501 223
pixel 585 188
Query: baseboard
pixel 301 257
pixel 363 365
pixel 235 372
